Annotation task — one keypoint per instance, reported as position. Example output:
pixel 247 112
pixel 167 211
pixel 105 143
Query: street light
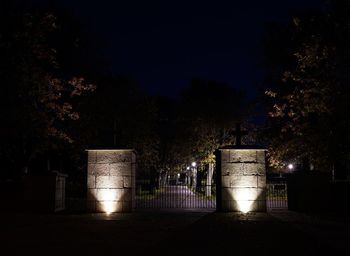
pixel 194 174
pixel 290 166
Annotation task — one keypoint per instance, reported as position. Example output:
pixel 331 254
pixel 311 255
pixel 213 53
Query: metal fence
pixel 276 195
pixel 174 195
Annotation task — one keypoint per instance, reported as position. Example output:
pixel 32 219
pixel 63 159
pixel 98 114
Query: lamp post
pixel 194 174
pixel 188 176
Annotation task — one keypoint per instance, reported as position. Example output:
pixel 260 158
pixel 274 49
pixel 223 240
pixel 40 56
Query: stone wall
pixel 242 178
pixel 111 180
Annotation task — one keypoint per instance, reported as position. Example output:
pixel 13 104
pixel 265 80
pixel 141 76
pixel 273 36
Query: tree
pixel 37 102
pixel 207 112
pixel 307 122
pixel 120 115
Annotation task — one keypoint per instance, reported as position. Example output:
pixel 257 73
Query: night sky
pixel 165 44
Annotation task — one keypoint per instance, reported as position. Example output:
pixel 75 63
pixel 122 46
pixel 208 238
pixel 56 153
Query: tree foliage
pixel 120 115
pixel 307 119
pixel 36 100
pixel 206 114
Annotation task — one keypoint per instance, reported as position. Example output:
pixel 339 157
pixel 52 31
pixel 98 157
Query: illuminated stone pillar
pixel 111 180
pixel 241 180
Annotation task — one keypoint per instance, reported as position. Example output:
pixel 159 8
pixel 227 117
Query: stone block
pixel 243 193
pixel 98 169
pixel 127 194
pixel 109 206
pixel 91 156
pixel 242 156
pixel 133 182
pixel 227 194
pixel 91 194
pixel 120 169
pixel 261 181
pixel 133 169
pixel 128 181
pixel 108 194
pixel 109 182
pixel 113 156
pixel 133 157
pixel 91 181
pixel 225 155
pixel 229 169
pixel 240 181
pixel 261 156
pixel 243 180
pixel 235 206
pixel 252 206
pixel 254 169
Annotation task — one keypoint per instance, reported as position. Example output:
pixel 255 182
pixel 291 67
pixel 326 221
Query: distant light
pixel 290 166
pixel 187 168
pixel 194 164
pixel 178 175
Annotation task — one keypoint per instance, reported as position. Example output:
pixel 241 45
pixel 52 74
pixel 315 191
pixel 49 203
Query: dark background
pixel 165 44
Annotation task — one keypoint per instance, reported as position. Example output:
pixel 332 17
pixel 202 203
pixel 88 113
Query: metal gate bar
pixel 276 195
pixel 174 196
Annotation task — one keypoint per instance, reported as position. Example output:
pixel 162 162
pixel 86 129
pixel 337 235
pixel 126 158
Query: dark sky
pixel 167 43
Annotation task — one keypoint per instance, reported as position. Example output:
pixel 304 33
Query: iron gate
pixel 175 193
pixel 276 194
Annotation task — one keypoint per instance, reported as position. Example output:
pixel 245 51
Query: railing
pixel 178 196
pixel 276 195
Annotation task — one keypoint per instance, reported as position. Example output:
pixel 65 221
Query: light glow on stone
pixel 108 204
pixel 244 200
pixel 108 207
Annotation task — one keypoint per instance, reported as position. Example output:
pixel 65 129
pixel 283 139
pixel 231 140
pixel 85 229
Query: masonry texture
pixel 243 180
pixel 111 180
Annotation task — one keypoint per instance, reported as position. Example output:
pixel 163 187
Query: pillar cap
pixel 244 147
pixel 112 149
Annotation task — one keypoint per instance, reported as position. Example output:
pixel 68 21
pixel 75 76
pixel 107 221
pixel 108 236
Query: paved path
pixel 173 233
pixel 176 196
pixel 280 233
pixel 90 234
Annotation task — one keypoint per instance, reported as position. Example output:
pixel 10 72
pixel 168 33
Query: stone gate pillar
pixel 111 180
pixel 241 179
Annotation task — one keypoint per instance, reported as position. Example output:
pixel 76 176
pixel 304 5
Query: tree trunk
pixel 194 177
pixel 209 179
